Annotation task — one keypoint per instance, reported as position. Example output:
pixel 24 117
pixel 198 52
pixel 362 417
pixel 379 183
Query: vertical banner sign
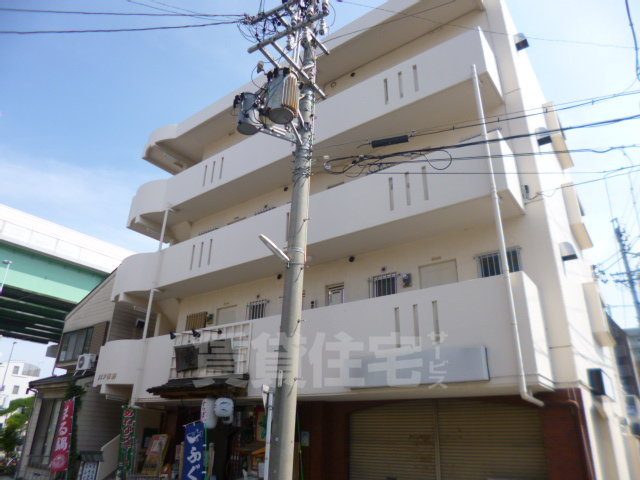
pixel 194 449
pixel 62 445
pixel 126 454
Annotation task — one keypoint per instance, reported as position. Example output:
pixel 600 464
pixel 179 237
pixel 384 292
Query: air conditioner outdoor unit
pixel 86 361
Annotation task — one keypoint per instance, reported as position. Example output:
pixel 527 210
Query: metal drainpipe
pixel 147 316
pixel 153 290
pixel 495 202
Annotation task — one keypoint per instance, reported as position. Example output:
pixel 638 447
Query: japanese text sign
pixel 126 455
pixel 194 452
pixel 62 445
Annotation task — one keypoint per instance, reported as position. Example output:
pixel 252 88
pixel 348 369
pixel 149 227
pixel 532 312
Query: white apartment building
pixel 409 365
pixel 16 376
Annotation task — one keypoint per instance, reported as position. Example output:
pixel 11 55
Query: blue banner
pixel 194 452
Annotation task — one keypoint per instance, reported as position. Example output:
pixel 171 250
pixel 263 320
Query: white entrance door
pixel 226 315
pixel 440 273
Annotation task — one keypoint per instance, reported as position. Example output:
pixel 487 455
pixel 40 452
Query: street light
pixel 277 251
pixel 6 272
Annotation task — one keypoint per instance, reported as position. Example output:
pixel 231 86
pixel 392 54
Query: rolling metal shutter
pixel 480 440
pixel 447 440
pixel 393 441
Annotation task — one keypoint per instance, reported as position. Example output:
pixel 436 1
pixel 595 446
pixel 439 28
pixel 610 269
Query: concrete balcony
pixel 403 96
pixel 462 328
pixel 574 212
pixel 120 363
pixel 400 204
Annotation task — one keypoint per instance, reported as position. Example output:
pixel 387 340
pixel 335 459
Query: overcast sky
pixel 76 110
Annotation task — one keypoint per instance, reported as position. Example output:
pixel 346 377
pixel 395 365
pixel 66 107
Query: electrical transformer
pixel 282 96
pixel 248 115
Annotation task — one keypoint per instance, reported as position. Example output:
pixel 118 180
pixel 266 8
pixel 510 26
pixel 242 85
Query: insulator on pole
pixel 291 42
pixel 323 29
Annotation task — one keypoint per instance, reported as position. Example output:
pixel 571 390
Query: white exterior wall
pixel 215 260
pixel 95 308
pixel 14 380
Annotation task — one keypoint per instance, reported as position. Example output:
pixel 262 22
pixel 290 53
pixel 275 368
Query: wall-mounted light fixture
pixel 543 136
pixel 521 41
pixel 567 251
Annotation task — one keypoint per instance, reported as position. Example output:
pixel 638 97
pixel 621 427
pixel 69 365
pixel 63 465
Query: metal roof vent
pixel 521 41
pixel 567 251
pixel 543 136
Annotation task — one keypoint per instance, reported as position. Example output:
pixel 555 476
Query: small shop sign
pixel 126 454
pixel 62 445
pixel 156 452
pixel 89 471
pixel 194 452
pixel 215 355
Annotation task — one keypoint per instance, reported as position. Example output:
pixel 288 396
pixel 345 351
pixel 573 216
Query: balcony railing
pixel 466 325
pixel 403 96
pixel 237 361
pixel 401 204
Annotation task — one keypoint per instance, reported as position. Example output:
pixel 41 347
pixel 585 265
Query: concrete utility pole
pixel 288 101
pixel 284 413
pixel 631 279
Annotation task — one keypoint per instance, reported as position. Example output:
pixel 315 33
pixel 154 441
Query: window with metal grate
pixel 256 309
pixel 384 285
pixel 335 294
pixel 489 264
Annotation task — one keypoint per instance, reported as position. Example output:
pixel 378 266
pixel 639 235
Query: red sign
pixel 62 445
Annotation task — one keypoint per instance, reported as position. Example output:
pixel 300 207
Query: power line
pixel 364 158
pixel 500 118
pixel 193 14
pixel 610 257
pixel 175 7
pixel 112 30
pixel 519 172
pixel 155 8
pixel 632 190
pixel 584 182
pixel 464 27
pixel 378 163
pixel 635 39
pixel 76 12
pixel 353 32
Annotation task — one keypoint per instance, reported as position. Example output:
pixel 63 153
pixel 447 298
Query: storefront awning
pixel 57 381
pixel 199 387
